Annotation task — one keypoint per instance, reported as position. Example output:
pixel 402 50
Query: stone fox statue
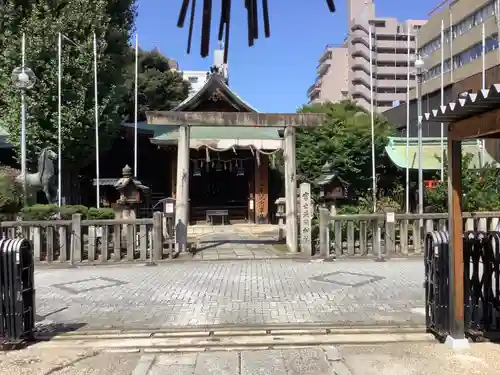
pixel 43 179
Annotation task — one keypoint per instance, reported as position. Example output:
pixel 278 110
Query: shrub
pixel 49 211
pixel 39 212
pixel 94 213
pixel 67 211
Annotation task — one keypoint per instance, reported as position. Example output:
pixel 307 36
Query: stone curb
pixel 142 334
pixel 180 344
pixel 302 258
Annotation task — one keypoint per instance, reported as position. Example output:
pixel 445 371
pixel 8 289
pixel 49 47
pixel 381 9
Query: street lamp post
pixel 419 65
pixel 23 79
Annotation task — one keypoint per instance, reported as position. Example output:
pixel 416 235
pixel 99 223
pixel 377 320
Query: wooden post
pixel 173 174
pixel 350 238
pixel 291 190
pixel 76 239
pixel 261 201
pixel 37 243
pixel 337 230
pixel 157 237
pixel 251 196
pixel 143 241
pixel 182 189
pixel 456 337
pixel 104 243
pixel 117 242
pixel 324 246
pixel 92 243
pixel 390 235
pixel 63 244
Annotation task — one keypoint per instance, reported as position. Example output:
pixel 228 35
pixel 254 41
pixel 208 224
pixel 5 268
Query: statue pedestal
pixel 125 211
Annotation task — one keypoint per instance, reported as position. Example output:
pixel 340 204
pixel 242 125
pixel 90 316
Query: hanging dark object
pixel 225 17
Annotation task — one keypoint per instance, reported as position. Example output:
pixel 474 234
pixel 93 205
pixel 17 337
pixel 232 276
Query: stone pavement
pixel 218 246
pixel 421 359
pixel 70 361
pixel 304 361
pixel 381 359
pixel 246 292
pixel 400 358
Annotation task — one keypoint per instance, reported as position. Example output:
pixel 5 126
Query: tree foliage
pixel 11 191
pixel 41 21
pixel 480 187
pixel 159 88
pixel 345 141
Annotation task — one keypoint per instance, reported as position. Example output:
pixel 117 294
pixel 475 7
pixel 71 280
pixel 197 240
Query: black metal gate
pixel 481 257
pixel 17 292
pixel 436 280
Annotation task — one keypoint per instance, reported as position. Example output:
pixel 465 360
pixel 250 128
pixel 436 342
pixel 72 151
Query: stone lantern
pixel 332 187
pixel 130 191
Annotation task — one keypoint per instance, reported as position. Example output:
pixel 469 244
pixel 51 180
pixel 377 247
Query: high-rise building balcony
pixel 314 88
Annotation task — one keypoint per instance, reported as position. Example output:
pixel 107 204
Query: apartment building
pixel 332 79
pixel 462 56
pixel 344 71
pixel 196 78
pixel 463 22
pixel 463 63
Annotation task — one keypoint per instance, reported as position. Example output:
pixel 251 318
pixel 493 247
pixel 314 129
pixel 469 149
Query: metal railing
pixel 481 257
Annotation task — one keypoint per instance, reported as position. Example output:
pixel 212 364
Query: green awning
pixel 431 157
pixel 217 132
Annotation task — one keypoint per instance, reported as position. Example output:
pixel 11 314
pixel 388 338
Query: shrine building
pixel 231 168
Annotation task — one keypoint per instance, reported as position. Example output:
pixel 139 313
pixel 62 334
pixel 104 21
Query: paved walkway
pixel 306 361
pixel 381 359
pixel 246 292
pixel 69 361
pixel 219 246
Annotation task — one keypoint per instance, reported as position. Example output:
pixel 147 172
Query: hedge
pixel 50 211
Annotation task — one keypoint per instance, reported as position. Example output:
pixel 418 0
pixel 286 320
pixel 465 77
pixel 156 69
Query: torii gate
pixel 186 120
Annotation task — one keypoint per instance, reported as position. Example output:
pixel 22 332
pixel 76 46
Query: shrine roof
pixel 214 89
pixel 223 138
pixel 217 132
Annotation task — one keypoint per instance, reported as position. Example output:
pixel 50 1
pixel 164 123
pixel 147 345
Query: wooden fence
pixel 93 241
pixel 388 234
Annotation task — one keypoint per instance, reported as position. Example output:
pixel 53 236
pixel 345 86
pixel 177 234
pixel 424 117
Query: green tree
pixel 345 140
pixel 480 187
pixel 159 88
pixel 41 21
pixel 11 192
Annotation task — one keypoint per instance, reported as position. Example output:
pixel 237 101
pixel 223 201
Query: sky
pixel 274 74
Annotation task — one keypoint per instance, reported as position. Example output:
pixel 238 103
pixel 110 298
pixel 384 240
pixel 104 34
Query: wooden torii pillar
pixel 475 116
pixel 186 120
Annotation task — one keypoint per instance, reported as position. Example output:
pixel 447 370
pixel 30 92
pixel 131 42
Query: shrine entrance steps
pixel 237 241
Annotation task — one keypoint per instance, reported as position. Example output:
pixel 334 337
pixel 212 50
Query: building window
pixel 465 57
pixel 474 52
pixel 460 28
